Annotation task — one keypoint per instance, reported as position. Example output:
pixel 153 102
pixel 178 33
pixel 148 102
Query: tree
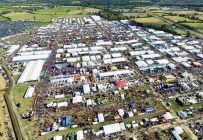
pixel 188 34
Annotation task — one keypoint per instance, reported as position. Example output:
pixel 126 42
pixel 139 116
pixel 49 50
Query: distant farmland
pixel 45 15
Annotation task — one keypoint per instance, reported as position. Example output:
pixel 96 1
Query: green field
pixel 176 107
pixel 200 16
pixel 3 19
pixel 20 90
pixel 26 105
pixel 2 80
pixel 157 10
pixel 178 31
pixel 25 16
pixel 179 19
pixel 197 26
pixel 184 12
pixel 1 55
pixel 135 15
pixel 150 21
pixel 161 13
pixel 45 15
pixel 57 11
pixel 184 17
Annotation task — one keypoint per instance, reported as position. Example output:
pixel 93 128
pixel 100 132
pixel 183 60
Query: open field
pixel 157 10
pixel 176 107
pixel 161 13
pixel 27 16
pixel 26 104
pixel 3 19
pixel 19 93
pixel 178 31
pixel 45 15
pixel 184 12
pixel 91 10
pixel 1 55
pixel 3 9
pixel 150 21
pixel 57 10
pixel 135 15
pixel 197 26
pixel 200 16
pixel 188 19
pixel 16 77
pixel 179 19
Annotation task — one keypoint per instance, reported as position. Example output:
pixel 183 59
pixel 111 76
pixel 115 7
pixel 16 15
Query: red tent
pixel 120 83
pixel 117 117
pixel 163 120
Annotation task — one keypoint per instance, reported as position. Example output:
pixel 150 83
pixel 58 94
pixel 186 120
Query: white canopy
pixel 29 92
pixel 80 135
pixel 77 99
pixel 111 128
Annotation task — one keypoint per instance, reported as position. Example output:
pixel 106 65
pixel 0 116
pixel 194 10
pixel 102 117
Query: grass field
pixel 91 10
pixel 150 21
pixel 16 77
pixel 3 19
pixel 157 10
pixel 25 16
pixel 184 12
pixel 135 15
pixel 198 26
pixel 200 16
pixel 45 15
pixel 165 12
pixel 179 31
pixel 1 55
pixel 3 9
pixel 176 107
pixel 18 96
pixel 161 13
pixel 75 13
pixel 26 104
pixel 58 10
pixel 178 18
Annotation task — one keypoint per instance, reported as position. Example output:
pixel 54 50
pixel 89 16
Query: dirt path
pixel 5 122
pixel 2 82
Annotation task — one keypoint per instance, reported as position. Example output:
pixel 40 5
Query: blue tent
pixel 132 104
pixel 150 69
pixel 149 109
pixel 65 121
pixel 158 46
pixel 2 46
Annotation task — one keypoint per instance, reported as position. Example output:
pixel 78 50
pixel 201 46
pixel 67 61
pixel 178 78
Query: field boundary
pixel 14 118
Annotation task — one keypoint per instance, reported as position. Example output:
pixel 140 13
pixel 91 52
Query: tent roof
pixel 120 83
pixel 111 128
